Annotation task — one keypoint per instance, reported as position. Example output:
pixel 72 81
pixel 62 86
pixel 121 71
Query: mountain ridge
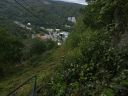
pixel 49 13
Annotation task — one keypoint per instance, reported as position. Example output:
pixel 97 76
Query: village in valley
pixel 54 34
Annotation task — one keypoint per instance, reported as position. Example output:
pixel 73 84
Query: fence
pixel 32 92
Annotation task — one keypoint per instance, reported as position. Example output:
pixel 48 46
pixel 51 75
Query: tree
pixel 107 13
pixel 37 47
pixel 10 50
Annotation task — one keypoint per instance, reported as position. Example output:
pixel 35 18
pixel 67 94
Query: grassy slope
pixel 42 71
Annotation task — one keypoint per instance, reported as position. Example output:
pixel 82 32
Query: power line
pixel 28 10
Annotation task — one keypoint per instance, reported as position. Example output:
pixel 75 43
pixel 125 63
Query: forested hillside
pixel 94 63
pixel 45 13
pixel 22 56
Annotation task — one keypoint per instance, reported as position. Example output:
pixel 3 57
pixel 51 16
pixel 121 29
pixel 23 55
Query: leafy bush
pixel 92 67
pixel 93 64
pixel 10 50
pixel 38 46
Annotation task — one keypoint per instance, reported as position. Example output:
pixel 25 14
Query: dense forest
pixel 93 61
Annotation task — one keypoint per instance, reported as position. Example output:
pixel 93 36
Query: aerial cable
pixel 27 10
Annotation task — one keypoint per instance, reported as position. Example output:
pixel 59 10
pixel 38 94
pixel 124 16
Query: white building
pixel 50 30
pixel 28 27
pixel 42 28
pixel 72 19
pixel 63 35
pixel 57 30
pixel 29 24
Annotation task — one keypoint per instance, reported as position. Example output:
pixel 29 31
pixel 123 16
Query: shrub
pixel 10 50
pixel 38 46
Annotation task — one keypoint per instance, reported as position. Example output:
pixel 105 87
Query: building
pixel 40 36
pixel 72 19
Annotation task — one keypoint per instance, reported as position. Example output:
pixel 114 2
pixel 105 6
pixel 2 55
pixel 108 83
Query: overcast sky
pixel 75 1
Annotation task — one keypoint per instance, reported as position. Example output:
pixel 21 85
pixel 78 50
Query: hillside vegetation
pixel 16 44
pixel 95 63
pixel 43 13
pixel 21 56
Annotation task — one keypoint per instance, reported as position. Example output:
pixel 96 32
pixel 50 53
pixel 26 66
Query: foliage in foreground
pixel 10 51
pixel 94 64
pixel 93 68
pixel 16 53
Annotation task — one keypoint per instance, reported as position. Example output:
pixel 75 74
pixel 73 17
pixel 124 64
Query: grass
pixel 45 68
pixel 10 83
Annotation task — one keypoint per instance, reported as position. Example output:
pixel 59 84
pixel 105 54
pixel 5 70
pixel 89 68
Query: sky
pixel 75 1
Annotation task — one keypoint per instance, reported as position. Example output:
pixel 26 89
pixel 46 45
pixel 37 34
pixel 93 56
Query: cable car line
pixel 27 10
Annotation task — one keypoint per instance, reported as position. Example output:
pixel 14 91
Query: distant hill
pixel 48 13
